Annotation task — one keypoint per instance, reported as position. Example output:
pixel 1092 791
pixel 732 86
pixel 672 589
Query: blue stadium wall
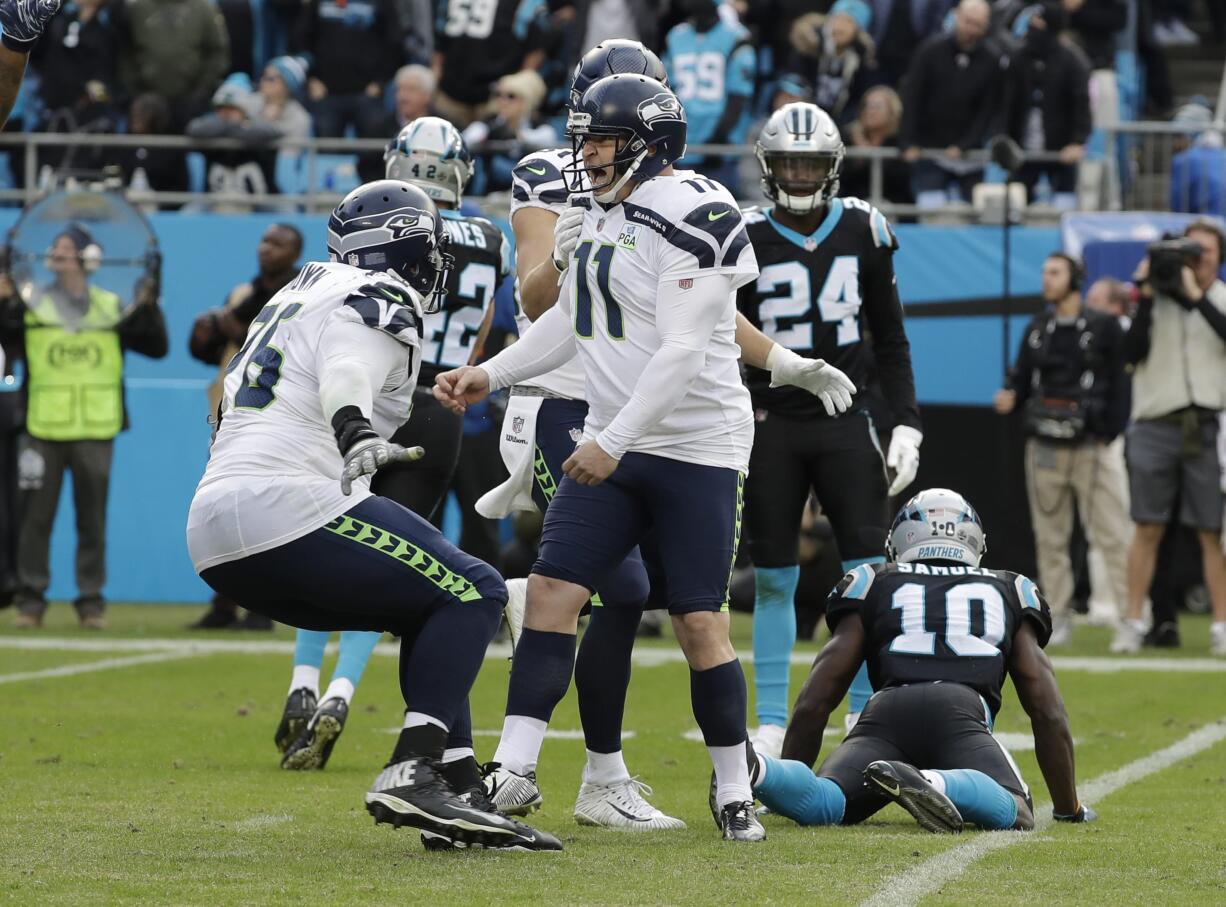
pixel 949 277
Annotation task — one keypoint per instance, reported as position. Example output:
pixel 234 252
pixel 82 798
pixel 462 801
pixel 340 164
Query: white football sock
pixel 605 768
pixel 520 744
pixel 936 779
pixel 731 774
pixel 460 752
pixel 339 688
pixel 305 676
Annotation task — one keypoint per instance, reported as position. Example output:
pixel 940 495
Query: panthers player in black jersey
pixel 939 633
pixel 430 153
pixel 826 291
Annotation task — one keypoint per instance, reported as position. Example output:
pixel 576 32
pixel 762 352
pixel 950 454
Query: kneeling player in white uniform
pixel 428 153
pixel 326 374
pixel 544 414
pixel 939 633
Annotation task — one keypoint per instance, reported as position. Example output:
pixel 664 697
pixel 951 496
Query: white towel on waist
pixel 518 447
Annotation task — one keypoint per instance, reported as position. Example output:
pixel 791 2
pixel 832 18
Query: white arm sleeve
pixel 685 320
pixel 354 364
pixel 549 343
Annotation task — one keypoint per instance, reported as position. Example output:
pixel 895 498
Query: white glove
pixel 816 376
pixel 367 456
pixel 903 456
pixel 566 236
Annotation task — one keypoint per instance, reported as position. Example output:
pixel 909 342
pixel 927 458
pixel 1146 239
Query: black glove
pixel 23 22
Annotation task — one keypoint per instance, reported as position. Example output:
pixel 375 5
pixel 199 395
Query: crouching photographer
pixel 1070 384
pixel 1177 342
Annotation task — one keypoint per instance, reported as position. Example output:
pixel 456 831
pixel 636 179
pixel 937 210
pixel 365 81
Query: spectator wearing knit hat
pixel 835 54
pixel 245 171
pixel 280 97
pixel 1198 170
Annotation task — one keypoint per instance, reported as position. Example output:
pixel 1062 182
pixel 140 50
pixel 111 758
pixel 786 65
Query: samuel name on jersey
pixel 926 622
pixel 819 295
pixel 670 231
pixel 482 262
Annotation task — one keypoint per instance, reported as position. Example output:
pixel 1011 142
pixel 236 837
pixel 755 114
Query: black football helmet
pixel 391 226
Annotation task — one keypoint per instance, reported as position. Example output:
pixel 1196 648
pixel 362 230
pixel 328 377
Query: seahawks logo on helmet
pixel 412 221
pixel 664 106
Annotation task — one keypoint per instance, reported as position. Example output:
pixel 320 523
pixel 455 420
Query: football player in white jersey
pixel 284 521
pixel 430 154
pixel 647 302
pixel 544 416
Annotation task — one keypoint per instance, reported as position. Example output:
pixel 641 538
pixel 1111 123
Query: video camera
pixel 1167 259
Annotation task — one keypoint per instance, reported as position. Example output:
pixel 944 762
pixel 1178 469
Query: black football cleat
pixel 300 705
pixel 476 797
pixel 314 745
pixel 739 822
pixel 904 785
pixel 413 793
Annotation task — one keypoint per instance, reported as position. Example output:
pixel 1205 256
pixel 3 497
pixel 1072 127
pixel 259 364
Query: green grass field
pixel 155 781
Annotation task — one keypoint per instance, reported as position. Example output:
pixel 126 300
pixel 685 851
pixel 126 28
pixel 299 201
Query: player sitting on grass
pixel 939 633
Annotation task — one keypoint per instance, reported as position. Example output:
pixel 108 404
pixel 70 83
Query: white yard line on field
pixel 929 877
pixel 90 666
pixel 644 656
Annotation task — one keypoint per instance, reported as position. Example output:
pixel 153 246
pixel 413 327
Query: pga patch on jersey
pixel 628 237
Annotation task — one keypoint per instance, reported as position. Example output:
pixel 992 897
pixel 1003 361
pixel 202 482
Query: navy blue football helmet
pixel 608 58
pixel 391 226
pixel 645 118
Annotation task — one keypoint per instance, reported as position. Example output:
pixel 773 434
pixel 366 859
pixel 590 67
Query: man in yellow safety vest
pixel 75 335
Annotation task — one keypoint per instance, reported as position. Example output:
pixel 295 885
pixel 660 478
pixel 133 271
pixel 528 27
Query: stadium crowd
pixel 262 70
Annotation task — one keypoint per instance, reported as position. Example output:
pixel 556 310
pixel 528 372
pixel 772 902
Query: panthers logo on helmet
pixel 664 106
pixel 412 221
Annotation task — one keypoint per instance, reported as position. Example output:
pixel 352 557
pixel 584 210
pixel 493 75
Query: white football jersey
pixel 671 229
pixel 274 469
pixel 537 182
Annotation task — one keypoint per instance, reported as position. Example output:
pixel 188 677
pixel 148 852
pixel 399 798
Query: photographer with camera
pixel 1177 343
pixel 1070 385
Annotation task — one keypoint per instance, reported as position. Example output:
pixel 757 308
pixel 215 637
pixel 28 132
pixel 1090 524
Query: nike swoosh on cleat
pixel 712 216
pixel 632 818
pixel 540 172
pixel 893 792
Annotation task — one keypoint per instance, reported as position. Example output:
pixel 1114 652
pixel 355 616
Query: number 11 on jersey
pixel 583 293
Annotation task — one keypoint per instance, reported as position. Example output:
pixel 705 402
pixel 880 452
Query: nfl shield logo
pixel 810 243
pixel 685 283
pixel 600 225
pixel 517 424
